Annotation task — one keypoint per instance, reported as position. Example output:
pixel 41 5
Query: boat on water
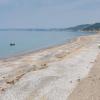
pixel 12 44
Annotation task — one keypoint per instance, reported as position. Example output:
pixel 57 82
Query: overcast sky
pixel 48 13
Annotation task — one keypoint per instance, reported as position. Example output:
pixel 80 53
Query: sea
pixel 26 41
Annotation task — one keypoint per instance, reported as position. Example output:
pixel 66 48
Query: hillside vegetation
pixel 86 27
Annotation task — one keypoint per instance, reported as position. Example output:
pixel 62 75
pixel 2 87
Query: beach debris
pixel 39 66
pixel 2 89
pixel 71 82
pixel 10 82
pixel 19 77
pixel 78 80
pixel 3 77
pixel 99 46
pixel 43 64
pixel 60 55
pixel 34 67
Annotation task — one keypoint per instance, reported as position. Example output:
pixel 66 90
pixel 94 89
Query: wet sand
pixel 50 74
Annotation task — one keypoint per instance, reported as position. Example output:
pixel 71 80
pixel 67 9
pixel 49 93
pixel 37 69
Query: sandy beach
pixel 89 88
pixel 64 72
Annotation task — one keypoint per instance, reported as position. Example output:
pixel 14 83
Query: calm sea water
pixel 32 40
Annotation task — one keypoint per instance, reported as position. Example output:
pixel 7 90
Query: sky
pixel 48 13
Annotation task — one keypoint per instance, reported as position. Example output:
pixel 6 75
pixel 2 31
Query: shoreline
pixel 34 51
pixel 51 73
pixel 18 55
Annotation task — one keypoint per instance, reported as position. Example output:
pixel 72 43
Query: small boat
pixel 12 44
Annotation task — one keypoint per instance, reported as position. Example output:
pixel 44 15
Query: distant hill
pixel 86 27
pixel 83 27
pixel 79 27
pixel 94 27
